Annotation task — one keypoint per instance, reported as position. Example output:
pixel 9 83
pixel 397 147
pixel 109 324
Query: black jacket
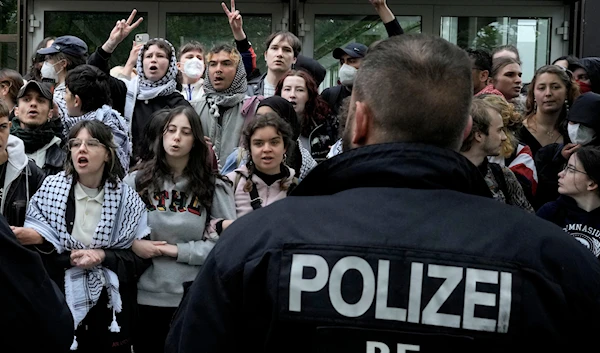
pixel 394 246
pixel 143 109
pixel 21 190
pixel 35 317
pixel 123 262
pixel 55 160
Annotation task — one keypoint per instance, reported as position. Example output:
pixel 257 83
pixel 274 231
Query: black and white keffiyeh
pixel 115 122
pixel 124 219
pixel 228 97
pixel 141 88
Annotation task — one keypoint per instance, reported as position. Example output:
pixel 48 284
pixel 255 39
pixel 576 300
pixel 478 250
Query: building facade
pixel 542 30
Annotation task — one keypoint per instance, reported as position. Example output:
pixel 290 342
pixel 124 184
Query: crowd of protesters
pixel 118 183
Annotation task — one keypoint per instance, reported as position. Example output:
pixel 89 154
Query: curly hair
pixel 315 108
pixel 511 119
pixel 282 128
pixel 154 171
pixel 572 93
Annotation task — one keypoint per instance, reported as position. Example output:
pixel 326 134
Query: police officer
pixel 395 245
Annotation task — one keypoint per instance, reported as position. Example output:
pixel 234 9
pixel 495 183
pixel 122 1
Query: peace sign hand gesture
pixel 235 21
pixel 121 30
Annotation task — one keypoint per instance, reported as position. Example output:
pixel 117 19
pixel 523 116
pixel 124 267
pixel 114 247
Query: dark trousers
pixel 152 328
pixel 93 335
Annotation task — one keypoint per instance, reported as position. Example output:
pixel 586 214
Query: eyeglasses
pixel 90 143
pixel 570 168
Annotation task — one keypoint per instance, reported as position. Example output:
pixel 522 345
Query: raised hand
pixel 121 30
pixel 235 21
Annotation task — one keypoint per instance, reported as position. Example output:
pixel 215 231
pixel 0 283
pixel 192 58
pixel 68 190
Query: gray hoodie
pixel 183 222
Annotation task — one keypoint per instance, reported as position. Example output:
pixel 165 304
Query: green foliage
pixel 93 28
pixel 336 31
pixel 8 16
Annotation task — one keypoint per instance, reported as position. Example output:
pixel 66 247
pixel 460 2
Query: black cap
pixel 40 87
pixel 313 67
pixel 66 44
pixel 355 50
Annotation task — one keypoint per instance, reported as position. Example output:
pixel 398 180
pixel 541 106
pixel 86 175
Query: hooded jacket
pixel 390 246
pixel 23 178
pixel 585 110
pixel 582 225
pixel 591 65
pixel 268 193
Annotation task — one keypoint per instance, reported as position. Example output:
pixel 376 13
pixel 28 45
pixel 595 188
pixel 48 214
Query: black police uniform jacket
pixel 392 248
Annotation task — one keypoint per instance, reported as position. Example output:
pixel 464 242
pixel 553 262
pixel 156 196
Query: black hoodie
pixel 592 67
pixel 586 111
pixel 583 225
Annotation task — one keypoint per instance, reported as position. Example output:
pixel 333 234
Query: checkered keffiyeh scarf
pixel 115 122
pixel 124 219
pixel 140 88
pixel 229 97
pixel 59 98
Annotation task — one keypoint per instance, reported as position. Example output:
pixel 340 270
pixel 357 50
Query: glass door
pixel 9 34
pixel 531 29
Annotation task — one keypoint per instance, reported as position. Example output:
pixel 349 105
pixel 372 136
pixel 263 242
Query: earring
pixel 567 106
pixel 284 158
pixel 534 106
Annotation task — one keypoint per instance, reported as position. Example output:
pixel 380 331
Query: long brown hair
pixel 572 93
pixel 316 108
pixel 154 171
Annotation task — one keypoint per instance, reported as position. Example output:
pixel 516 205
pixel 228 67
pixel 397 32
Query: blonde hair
pixel 234 55
pixel 511 119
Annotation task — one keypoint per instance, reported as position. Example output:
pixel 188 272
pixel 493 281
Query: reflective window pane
pixel 336 31
pixel 213 29
pixel 8 55
pixel 8 16
pixel 531 36
pixel 93 28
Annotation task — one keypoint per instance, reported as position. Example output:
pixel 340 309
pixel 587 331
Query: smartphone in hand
pixel 142 38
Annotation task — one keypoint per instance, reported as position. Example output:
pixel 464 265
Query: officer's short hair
pixel 418 88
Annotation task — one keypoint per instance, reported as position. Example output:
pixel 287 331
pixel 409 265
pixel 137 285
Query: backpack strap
pixel 499 176
pixel 255 200
pixel 293 185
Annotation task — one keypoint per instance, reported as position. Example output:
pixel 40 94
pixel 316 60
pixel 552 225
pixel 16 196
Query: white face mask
pixel 347 75
pixel 580 134
pixel 193 68
pixel 48 71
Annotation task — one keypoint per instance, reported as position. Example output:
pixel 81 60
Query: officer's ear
pixel 363 125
